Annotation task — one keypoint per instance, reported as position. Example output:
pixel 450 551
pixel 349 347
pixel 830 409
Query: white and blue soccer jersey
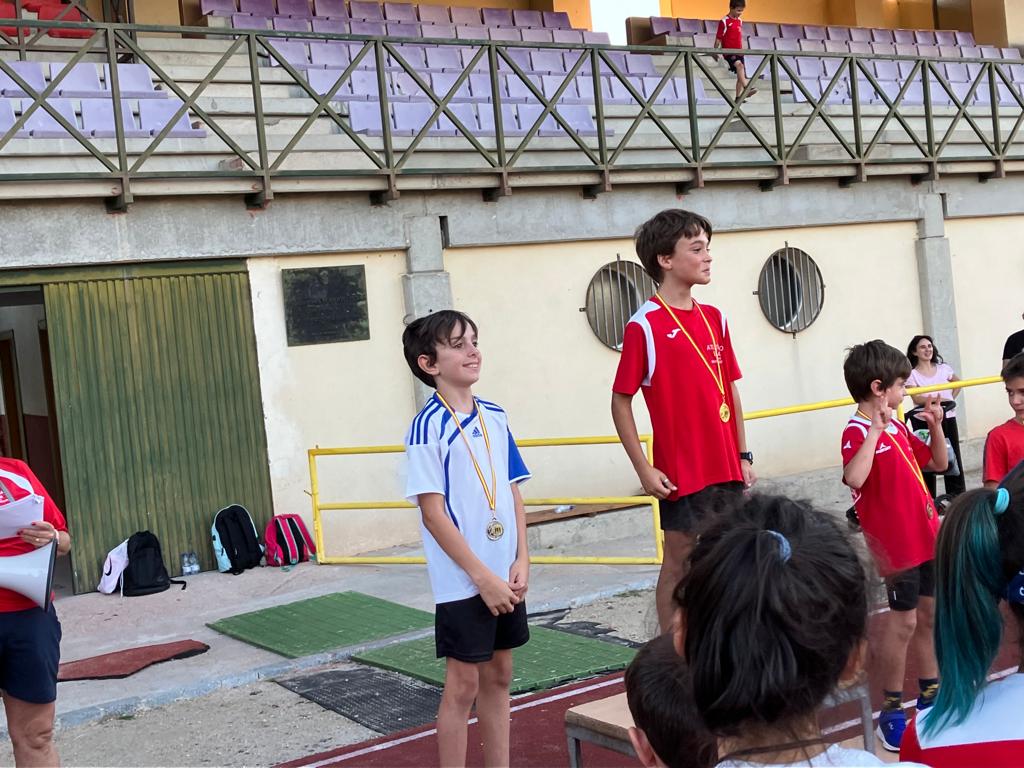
pixel 439 463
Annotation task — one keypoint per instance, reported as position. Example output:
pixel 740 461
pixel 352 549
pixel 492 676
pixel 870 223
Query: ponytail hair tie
pixel 1002 501
pixel 785 550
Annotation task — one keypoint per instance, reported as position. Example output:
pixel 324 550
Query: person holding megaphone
pixel 29 630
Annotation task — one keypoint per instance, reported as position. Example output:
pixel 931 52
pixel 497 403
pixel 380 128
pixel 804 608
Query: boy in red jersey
pixel 680 353
pixel 1004 446
pixel 730 37
pixel 882 463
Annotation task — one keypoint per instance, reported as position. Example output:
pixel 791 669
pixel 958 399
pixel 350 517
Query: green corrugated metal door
pixel 158 402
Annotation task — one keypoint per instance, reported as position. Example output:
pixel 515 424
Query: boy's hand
pixel 655 482
pixel 932 412
pixel 497 594
pixel 881 415
pixel 749 475
pixel 518 575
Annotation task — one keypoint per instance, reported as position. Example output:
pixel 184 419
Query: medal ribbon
pixel 492 492
pixel 912 464
pixel 719 379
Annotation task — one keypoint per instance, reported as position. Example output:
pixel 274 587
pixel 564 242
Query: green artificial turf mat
pixel 550 658
pixel 319 624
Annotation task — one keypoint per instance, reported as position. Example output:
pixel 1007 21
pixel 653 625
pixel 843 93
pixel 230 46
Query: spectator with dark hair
pixel 929 369
pixel 772 618
pixel 979 562
pixel 1004 446
pixel 1014 345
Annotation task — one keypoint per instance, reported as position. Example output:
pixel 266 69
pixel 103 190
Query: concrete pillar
pixel 426 287
pixel 998 22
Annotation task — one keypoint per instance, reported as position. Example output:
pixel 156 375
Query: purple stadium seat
pixel 368 28
pixel 906 68
pixel 567 36
pixel 411 116
pixel 444 58
pixel 791 31
pixel 510 34
pixel 964 38
pixel 364 117
pixel 832 66
pixel 330 9
pixel 955 73
pixel 135 81
pixel 537 36
pixel 289 24
pixel 329 55
pixel 812 46
pixel 297 9
pixel 885 69
pixel 786 44
pixel 399 12
pixel 930 51
pixel 598 38
pixel 7 118
pixel 577 116
pixel 883 49
pixel 257 7
pixel 98 120
pixel 614 92
pixel 527 19
pixel 711 26
pixel 82 82
pixel 837 46
pixel 556 20
pixel 812 32
pixel 434 14
pixel 1017 73
pixel 945 37
pixel 906 49
pixel 217 7
pixel 402 29
pixel 365 11
pixel 466 114
pixel 1010 54
pixel 925 37
pixel 970 51
pixel 249 21
pixel 689 26
pixel 322 80
pixel 859 46
pixel 466 17
pixel 990 52
pixel 497 17
pixel 29 71
pixel 480 87
pixel 585 89
pixel 414 55
pixel 509 121
pixel 518 90
pixel 757 43
pixel 551 83
pixel 42 125
pixel 838 33
pixel 474 32
pixel 905 36
pixel 762 29
pixel 882 36
pixel 330 26
pixel 666 96
pixel 860 34
pixel 442 82
pixel 521 56
pixel 663 25
pixel 547 61
pixel 949 51
pixel 438 31
pixel 837 95
pixel 640 64
pixel 809 69
pixel 294 53
pixel 703 40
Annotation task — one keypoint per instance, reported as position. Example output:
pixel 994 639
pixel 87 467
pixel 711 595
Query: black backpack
pixel 145 573
pixel 235 542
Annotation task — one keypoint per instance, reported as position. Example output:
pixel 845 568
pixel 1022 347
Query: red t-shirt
pixel 1004 449
pixel 990 736
pixel 730 32
pixel 892 504
pixel 21 481
pixel 692 445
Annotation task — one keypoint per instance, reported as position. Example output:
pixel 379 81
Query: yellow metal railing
pixel 647 440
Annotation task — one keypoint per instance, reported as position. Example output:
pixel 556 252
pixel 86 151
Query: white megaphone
pixel 30 574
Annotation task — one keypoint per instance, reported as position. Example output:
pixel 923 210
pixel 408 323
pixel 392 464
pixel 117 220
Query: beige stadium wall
pixel 546 367
pixel 988 272
pixel 342 394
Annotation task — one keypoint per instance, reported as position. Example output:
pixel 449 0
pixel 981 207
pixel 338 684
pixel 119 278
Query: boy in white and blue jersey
pixel 463 473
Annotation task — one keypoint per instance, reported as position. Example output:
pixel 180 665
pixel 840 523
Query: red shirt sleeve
pixel 721 30
pixel 910 749
pixel 51 514
pixel 994 467
pixel 633 361
pixel 853 439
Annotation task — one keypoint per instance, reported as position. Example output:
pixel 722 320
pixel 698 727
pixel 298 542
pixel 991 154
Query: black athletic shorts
pixel 466 630
pixel 732 60
pixel 687 512
pixel 30 654
pixel 905 588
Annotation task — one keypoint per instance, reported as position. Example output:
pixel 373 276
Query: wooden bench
pixel 606 723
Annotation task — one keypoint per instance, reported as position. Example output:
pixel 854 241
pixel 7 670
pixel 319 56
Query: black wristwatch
pixel 747 456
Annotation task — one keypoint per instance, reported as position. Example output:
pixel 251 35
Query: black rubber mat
pixel 379 700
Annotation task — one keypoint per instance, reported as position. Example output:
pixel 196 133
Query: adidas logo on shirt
pixel 476 432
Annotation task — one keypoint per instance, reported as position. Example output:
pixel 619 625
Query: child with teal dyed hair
pixel 979 562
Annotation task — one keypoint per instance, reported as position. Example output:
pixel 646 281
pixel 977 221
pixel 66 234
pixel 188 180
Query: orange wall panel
pixel 787 11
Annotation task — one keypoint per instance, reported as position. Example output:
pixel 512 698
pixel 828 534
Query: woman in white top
pixel 929 370
pixel 772 617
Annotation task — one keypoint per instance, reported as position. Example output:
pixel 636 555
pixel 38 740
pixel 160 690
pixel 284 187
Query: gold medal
pixel 930 510
pixel 725 413
pixel 495 530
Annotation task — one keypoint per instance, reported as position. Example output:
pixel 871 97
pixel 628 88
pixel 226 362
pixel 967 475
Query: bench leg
pixel 867 721
pixel 575 752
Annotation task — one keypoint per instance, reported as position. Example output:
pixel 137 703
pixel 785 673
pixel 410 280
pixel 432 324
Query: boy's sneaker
pixel 852 519
pixel 891 725
pixel 923 703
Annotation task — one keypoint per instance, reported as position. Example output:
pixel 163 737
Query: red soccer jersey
pixel 730 32
pixel 692 445
pixel 990 736
pixel 893 504
pixel 21 481
pixel 1004 449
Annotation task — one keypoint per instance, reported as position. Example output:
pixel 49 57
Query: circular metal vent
pixel 614 294
pixel 790 290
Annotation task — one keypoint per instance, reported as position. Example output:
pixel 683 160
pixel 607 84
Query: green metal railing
pixel 603 155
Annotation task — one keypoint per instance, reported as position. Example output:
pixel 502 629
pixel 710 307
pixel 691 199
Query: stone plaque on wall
pixel 325 304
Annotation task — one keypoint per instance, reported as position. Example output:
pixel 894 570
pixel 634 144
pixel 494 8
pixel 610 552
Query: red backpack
pixel 288 541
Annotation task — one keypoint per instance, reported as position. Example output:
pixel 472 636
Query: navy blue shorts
pixel 30 654
pixel 688 513
pixel 466 630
